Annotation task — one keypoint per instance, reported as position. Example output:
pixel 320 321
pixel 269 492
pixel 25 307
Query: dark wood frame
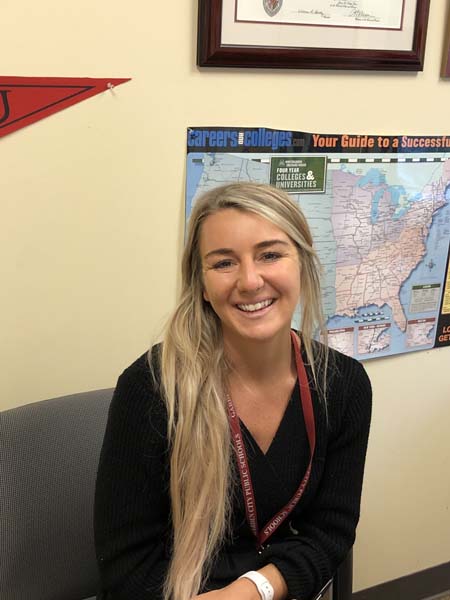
pixel 211 53
pixel 446 58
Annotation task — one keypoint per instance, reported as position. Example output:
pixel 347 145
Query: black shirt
pixel 132 508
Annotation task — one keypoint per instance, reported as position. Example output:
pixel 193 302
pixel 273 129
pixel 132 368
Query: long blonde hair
pixel 193 380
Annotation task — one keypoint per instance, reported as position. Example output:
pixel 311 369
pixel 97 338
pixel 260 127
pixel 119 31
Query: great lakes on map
pixel 381 229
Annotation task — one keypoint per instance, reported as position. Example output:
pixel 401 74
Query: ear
pixel 205 295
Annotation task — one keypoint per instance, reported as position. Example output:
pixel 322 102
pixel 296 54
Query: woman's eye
pixel 271 256
pixel 223 265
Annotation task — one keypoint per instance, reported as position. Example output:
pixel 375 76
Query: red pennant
pixel 25 100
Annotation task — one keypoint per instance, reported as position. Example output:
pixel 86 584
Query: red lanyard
pixel 241 456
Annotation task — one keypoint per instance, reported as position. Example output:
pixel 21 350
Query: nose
pixel 249 277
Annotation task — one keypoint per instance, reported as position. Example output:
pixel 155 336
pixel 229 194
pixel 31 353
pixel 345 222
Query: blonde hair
pixel 193 380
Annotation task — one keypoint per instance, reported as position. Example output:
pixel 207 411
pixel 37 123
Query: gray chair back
pixel 49 453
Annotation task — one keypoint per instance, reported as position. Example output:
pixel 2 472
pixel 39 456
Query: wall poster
pixel 379 210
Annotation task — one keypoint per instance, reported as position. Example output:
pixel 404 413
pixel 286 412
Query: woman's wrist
pixel 277 581
pixel 263 585
pixel 245 588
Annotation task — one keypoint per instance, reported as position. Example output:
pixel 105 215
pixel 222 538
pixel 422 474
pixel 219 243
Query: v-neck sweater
pixel 132 504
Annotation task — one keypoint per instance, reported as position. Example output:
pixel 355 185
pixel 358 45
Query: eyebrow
pixel 259 246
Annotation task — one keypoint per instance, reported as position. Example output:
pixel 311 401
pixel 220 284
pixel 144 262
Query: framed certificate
pixel 313 34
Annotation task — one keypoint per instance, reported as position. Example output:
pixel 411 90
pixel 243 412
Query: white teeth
pixel 257 306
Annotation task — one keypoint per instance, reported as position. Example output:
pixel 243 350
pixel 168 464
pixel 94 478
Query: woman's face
pixel 251 275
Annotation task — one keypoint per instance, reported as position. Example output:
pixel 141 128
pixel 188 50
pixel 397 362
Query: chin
pixel 260 333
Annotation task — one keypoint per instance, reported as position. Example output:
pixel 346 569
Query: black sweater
pixel 132 506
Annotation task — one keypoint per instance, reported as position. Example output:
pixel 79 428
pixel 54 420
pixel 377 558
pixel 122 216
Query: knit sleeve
pixel 132 500
pixel 327 530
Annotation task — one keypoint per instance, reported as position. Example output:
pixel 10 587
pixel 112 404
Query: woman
pixel 234 453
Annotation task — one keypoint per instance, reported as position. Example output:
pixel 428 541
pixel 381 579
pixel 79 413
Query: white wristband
pixel 263 585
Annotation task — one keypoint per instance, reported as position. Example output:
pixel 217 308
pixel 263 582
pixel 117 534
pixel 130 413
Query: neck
pixel 261 361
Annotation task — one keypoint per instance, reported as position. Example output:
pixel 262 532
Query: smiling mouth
pixel 255 307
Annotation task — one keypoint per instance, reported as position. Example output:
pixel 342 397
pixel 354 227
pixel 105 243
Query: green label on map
pixel 299 174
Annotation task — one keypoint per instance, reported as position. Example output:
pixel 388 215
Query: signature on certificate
pixel 351 10
pixel 360 15
pixel 315 12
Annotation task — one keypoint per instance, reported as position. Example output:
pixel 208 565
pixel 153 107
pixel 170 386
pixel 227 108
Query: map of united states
pixel 381 229
pixel 380 238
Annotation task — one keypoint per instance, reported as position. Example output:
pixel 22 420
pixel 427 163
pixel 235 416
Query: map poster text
pixel 261 139
pixel 294 174
pixel 443 328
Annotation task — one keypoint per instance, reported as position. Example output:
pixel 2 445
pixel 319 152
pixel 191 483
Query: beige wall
pixel 92 211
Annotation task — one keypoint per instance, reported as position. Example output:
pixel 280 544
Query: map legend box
pixel 419 331
pixel 342 340
pixel 425 298
pixel 373 339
